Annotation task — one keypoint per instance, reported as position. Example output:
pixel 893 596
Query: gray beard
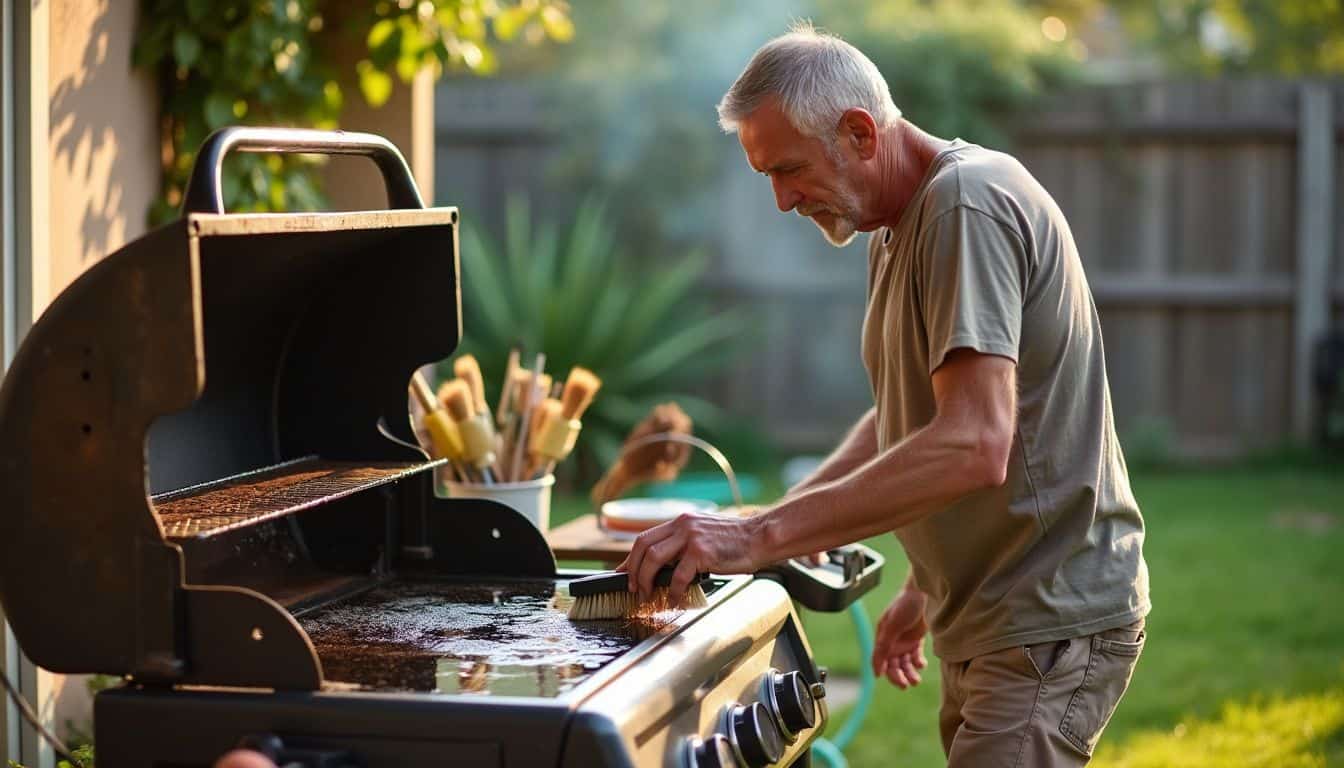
pixel 844 233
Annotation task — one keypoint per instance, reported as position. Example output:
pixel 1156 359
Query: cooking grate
pixel 212 508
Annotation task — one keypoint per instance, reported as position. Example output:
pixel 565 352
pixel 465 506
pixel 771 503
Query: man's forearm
pixel 932 468
pixel 858 447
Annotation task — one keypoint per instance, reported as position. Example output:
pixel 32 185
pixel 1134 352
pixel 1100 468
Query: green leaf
pixel 510 21
pixel 218 110
pixel 671 351
pixel 375 84
pixel 668 291
pixel 332 98
pixel 186 48
pixel 605 323
pixel 407 67
pixel 557 24
pixel 196 9
pixel 386 40
pixel 590 254
pixel 518 252
pixel 483 289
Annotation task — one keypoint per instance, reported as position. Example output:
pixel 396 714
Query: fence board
pixel 1196 275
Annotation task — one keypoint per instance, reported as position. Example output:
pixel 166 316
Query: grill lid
pixel 215 346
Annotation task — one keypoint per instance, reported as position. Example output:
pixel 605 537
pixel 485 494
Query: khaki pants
pixel 1043 705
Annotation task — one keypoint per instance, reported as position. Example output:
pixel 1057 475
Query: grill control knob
pixel 792 702
pixel 753 732
pixel 716 752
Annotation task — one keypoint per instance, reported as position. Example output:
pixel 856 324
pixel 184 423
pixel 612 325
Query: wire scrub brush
pixel 607 596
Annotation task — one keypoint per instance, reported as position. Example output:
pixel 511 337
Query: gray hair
pixel 817 78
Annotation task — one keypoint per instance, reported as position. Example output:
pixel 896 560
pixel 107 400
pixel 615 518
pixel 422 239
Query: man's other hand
pixel 244 758
pixel 898 651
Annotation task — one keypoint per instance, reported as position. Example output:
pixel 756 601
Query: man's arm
pixel 859 446
pixel 963 449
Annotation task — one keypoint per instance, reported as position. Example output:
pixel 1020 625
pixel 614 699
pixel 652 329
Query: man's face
pixel 806 177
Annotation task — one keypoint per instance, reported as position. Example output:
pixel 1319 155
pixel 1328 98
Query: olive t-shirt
pixel 982 258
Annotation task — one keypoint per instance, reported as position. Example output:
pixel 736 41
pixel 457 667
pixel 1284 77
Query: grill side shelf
pixel 224 505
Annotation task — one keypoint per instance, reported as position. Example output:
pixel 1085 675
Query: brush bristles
pixel 579 389
pixel 456 398
pixel 624 605
pixel 469 371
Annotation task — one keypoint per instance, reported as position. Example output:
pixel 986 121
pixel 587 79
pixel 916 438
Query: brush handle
pixel 619 581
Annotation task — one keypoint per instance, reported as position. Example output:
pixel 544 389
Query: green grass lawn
pixel 1244 664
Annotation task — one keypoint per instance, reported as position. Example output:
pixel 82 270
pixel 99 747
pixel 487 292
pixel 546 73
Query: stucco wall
pixel 103 143
pixel 103 137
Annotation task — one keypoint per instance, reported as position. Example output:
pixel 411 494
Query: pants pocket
pixel 1109 668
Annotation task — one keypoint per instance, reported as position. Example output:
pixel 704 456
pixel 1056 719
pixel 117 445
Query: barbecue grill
pixel 207 458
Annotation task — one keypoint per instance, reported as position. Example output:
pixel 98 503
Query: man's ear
pixel 858 130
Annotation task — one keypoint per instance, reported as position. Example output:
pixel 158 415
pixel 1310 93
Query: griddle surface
pixel 510 638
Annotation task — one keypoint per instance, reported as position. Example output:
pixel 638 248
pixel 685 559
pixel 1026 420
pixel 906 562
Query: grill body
pixel 639 711
pixel 208 451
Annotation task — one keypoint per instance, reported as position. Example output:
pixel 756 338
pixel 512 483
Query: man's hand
pixel 702 543
pixel 898 651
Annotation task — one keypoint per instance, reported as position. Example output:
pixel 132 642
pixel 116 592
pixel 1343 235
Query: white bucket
pixel 531 498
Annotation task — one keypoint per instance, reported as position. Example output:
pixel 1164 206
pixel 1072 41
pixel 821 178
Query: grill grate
pixel 224 505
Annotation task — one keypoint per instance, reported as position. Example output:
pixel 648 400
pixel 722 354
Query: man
pixel 990 451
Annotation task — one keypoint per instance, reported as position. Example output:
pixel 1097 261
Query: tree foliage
pixel 1212 37
pixel 222 62
pixel 959 68
pixel 649 138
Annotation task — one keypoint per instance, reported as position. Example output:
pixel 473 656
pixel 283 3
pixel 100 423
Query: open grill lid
pixel 214 346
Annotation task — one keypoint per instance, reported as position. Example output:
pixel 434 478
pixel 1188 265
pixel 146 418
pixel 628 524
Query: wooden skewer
pixel 502 408
pixel 529 395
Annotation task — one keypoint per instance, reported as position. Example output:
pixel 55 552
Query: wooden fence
pixel 1204 212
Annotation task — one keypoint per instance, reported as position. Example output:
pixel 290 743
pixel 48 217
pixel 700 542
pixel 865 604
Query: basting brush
pixel 445 440
pixel 608 596
pixel 478 439
pixel 468 370
pixel 556 438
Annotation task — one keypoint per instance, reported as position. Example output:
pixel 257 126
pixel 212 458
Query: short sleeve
pixel 973 276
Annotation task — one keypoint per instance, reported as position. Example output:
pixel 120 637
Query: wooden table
pixel 581 539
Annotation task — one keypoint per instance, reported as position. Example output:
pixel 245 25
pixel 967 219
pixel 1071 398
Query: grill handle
pixel 205 194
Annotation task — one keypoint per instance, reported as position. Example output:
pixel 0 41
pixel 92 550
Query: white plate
pixel 626 518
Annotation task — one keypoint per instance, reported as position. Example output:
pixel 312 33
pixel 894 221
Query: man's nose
pixel 785 198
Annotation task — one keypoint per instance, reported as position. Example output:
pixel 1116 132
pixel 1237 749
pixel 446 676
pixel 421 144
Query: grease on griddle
pixel 504 639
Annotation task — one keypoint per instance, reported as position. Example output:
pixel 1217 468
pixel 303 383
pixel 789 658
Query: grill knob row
pixel 755 735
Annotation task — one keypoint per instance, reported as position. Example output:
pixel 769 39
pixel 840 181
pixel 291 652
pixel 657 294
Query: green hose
pixel 831 751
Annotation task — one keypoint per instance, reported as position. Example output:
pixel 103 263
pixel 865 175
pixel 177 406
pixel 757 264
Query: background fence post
pixel 1315 240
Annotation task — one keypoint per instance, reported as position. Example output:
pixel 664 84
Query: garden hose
pixel 831 751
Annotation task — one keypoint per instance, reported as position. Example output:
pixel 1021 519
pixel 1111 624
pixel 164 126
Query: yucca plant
pixel 643 329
